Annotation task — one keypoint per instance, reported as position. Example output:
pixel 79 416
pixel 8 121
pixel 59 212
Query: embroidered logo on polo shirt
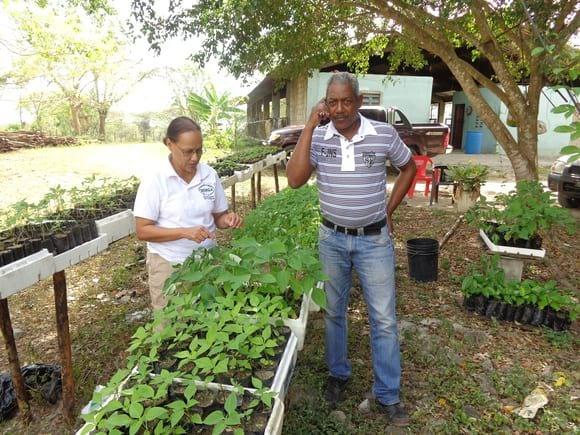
pixel 208 191
pixel 328 152
pixel 369 158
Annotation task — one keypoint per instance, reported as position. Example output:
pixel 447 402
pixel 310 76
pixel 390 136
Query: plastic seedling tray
pixel 500 249
pixel 229 181
pixel 25 272
pixel 80 253
pixel 117 226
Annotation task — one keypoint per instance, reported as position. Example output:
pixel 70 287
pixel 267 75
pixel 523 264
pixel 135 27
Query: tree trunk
pixel 75 121
pixel 102 120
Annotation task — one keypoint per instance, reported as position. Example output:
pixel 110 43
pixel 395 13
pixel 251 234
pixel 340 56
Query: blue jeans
pixel 373 258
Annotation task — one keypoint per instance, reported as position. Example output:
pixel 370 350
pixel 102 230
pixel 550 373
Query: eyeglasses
pixel 189 154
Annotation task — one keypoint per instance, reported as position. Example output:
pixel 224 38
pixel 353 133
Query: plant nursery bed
pixel 210 405
pixel 526 314
pixel 244 174
pixel 117 226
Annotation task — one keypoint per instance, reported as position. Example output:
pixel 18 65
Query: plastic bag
pixel 44 379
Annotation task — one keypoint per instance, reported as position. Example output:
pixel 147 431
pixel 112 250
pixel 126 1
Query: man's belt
pixel 374 228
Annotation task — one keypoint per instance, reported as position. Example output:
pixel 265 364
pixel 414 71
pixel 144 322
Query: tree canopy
pixel 524 41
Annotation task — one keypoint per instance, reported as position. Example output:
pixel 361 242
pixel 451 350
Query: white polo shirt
pixel 164 197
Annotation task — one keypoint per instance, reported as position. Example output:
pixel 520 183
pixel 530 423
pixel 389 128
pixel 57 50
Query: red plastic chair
pixel 421 176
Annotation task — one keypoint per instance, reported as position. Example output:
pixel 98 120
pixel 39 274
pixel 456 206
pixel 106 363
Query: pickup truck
pixel 424 139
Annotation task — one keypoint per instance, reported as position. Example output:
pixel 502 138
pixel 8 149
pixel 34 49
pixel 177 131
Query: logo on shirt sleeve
pixel 369 158
pixel 208 191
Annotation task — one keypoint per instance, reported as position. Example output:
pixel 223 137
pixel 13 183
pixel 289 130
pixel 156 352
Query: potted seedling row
pixel 169 404
pixel 216 342
pixel 487 293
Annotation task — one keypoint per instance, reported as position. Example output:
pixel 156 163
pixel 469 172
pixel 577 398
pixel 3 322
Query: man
pixel 349 156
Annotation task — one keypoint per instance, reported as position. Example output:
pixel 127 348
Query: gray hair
pixel 344 78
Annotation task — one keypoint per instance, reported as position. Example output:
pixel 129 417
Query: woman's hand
pixel 198 234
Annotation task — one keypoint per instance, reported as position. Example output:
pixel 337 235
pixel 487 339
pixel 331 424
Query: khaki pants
pixel 159 270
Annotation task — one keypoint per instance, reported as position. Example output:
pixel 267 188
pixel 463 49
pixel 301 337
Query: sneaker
pixel 396 414
pixel 335 388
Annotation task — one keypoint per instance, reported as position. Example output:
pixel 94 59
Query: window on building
pixel 371 98
pixel 434 112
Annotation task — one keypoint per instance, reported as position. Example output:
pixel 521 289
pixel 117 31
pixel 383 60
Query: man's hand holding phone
pixel 319 114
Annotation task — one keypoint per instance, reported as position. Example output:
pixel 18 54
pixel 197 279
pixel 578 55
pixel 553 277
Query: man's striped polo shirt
pixel 351 175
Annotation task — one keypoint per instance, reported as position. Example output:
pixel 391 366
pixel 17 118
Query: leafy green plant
pixel 520 214
pixel 470 176
pixel 488 279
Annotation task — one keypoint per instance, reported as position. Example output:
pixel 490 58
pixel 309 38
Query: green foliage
pixel 471 175
pixel 489 280
pixel 226 166
pixel 287 39
pixel 520 214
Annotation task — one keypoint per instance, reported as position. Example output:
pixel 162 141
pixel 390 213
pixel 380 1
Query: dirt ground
pixel 462 373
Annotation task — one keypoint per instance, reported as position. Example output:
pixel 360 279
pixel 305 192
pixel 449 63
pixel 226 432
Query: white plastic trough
pixel 500 249
pixel 80 253
pixel 117 226
pixel 27 271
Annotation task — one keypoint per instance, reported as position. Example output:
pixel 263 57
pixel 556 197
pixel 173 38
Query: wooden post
pixel 17 380
pixel 233 198
pixel 276 177
pixel 64 344
pixel 259 186
pixel 253 190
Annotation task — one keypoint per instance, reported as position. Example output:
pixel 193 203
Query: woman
pixel 179 206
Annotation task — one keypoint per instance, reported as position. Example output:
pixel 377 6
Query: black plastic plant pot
pixel 510 312
pixel 61 243
pixel 86 231
pixel 519 313
pixel 36 244
pixel 480 304
pixel 549 317
pixel 72 241
pixel 469 302
pixel 500 311
pixel 527 314
pixel 78 235
pixel 94 230
pixel 48 244
pixel 538 317
pixel 17 251
pixel 28 249
pixel 491 307
pixel 7 256
pixel 1 259
pixel 562 321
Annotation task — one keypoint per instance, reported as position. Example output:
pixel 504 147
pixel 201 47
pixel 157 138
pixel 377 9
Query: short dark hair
pixel 344 78
pixel 179 125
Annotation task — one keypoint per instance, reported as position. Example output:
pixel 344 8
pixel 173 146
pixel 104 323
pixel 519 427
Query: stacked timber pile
pixel 14 140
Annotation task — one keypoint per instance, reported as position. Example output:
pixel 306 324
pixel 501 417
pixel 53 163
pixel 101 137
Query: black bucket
pixel 423 256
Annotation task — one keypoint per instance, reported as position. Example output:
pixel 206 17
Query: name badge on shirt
pixel 208 192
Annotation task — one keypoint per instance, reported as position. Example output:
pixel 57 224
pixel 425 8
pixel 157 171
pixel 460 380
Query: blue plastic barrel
pixel 473 142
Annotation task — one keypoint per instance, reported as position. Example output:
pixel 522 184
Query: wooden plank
pixel 64 344
pixel 17 379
